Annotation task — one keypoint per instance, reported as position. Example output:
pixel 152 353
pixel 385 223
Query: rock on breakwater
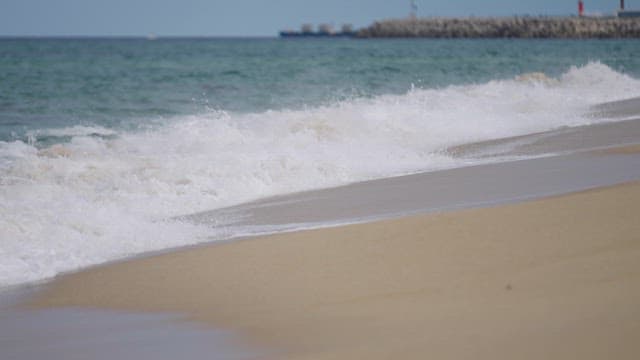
pixel 505 27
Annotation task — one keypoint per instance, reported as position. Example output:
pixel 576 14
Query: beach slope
pixel 555 278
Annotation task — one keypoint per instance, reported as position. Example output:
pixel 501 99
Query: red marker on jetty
pixel 580 8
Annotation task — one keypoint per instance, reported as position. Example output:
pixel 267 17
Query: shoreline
pixel 374 200
pixel 548 277
pixel 592 165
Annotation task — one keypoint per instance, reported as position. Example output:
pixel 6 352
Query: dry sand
pixel 556 278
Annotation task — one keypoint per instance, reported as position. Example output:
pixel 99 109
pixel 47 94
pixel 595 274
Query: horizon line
pixel 149 37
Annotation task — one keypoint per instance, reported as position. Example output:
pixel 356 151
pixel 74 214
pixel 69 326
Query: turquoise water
pixel 105 144
pixel 127 83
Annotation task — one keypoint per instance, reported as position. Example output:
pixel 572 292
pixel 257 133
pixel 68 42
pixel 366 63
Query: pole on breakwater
pixel 581 8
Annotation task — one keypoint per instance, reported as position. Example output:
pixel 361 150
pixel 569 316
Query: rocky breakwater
pixel 505 27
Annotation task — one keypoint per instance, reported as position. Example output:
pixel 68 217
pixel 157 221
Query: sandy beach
pixel 553 278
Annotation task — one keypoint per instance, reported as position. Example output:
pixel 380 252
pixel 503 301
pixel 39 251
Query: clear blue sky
pixel 246 17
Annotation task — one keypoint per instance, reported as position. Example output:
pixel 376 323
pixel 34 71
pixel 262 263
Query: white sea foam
pixel 98 198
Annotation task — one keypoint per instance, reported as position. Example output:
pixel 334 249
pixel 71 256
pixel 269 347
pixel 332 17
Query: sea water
pixel 106 143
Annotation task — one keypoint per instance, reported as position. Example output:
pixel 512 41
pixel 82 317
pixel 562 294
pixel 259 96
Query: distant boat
pixel 324 31
pixel 297 34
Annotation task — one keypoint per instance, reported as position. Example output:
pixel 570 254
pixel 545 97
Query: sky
pixel 246 17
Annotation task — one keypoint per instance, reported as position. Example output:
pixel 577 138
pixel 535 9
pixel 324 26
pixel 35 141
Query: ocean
pixel 106 144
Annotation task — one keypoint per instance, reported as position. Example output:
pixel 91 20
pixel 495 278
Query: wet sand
pixel 554 278
pixel 625 150
pixel 95 334
pixel 446 190
pixel 565 163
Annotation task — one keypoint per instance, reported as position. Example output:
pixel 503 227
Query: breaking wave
pixel 101 194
